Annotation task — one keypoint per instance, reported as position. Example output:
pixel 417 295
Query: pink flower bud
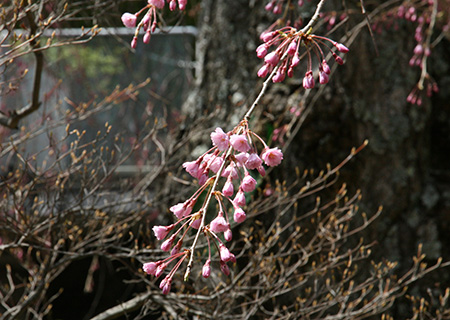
pixel 206 270
pixel 172 5
pixel 272 156
pixel 295 60
pixel 261 171
pixel 160 269
pixel 196 223
pixel 269 6
pixel 147 37
pixel 219 224
pixel 323 77
pixel 338 59
pixel 279 76
pixel 239 199
pixel 308 80
pixel 161 231
pixel 220 139
pixel 166 287
pixel 272 58
pixel 225 254
pixel 263 71
pixel 181 209
pixel 134 42
pixel 292 48
pixel 248 184
pixel 168 243
pixel 228 235
pixel 224 268
pixel 267 36
pixel 326 67
pixel 182 4
pixel 261 51
pixel 341 47
pixel 150 267
pixel 129 20
pixel 192 167
pixel 418 50
pixel 239 142
pixel 157 3
pixel 228 188
pixel 239 215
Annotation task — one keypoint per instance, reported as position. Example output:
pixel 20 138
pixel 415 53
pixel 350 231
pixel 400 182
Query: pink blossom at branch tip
pixel 272 156
pixel 157 3
pixel 263 71
pixel 219 224
pixel 161 231
pixel 220 139
pixel 192 167
pixel 228 235
pixel 248 184
pixel 272 58
pixel 230 169
pixel 225 254
pixel 224 268
pixel 181 209
pixel 232 258
pixel 239 142
pixel 239 215
pixel 261 51
pixel 228 188
pixel 216 163
pixel 239 199
pixel 206 270
pixel 150 267
pixel 129 20
pixel 241 158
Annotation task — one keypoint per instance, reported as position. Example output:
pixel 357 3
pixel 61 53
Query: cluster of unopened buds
pixel 286 56
pixel 276 6
pixel 149 21
pixel 234 159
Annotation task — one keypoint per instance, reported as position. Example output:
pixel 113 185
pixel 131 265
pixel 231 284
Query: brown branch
pixel 12 120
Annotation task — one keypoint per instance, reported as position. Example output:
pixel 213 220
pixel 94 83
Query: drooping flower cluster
pixel 288 42
pixel 233 159
pixel 149 21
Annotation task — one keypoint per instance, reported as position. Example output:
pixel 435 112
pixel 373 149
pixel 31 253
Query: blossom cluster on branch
pixel 229 169
pixel 232 159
